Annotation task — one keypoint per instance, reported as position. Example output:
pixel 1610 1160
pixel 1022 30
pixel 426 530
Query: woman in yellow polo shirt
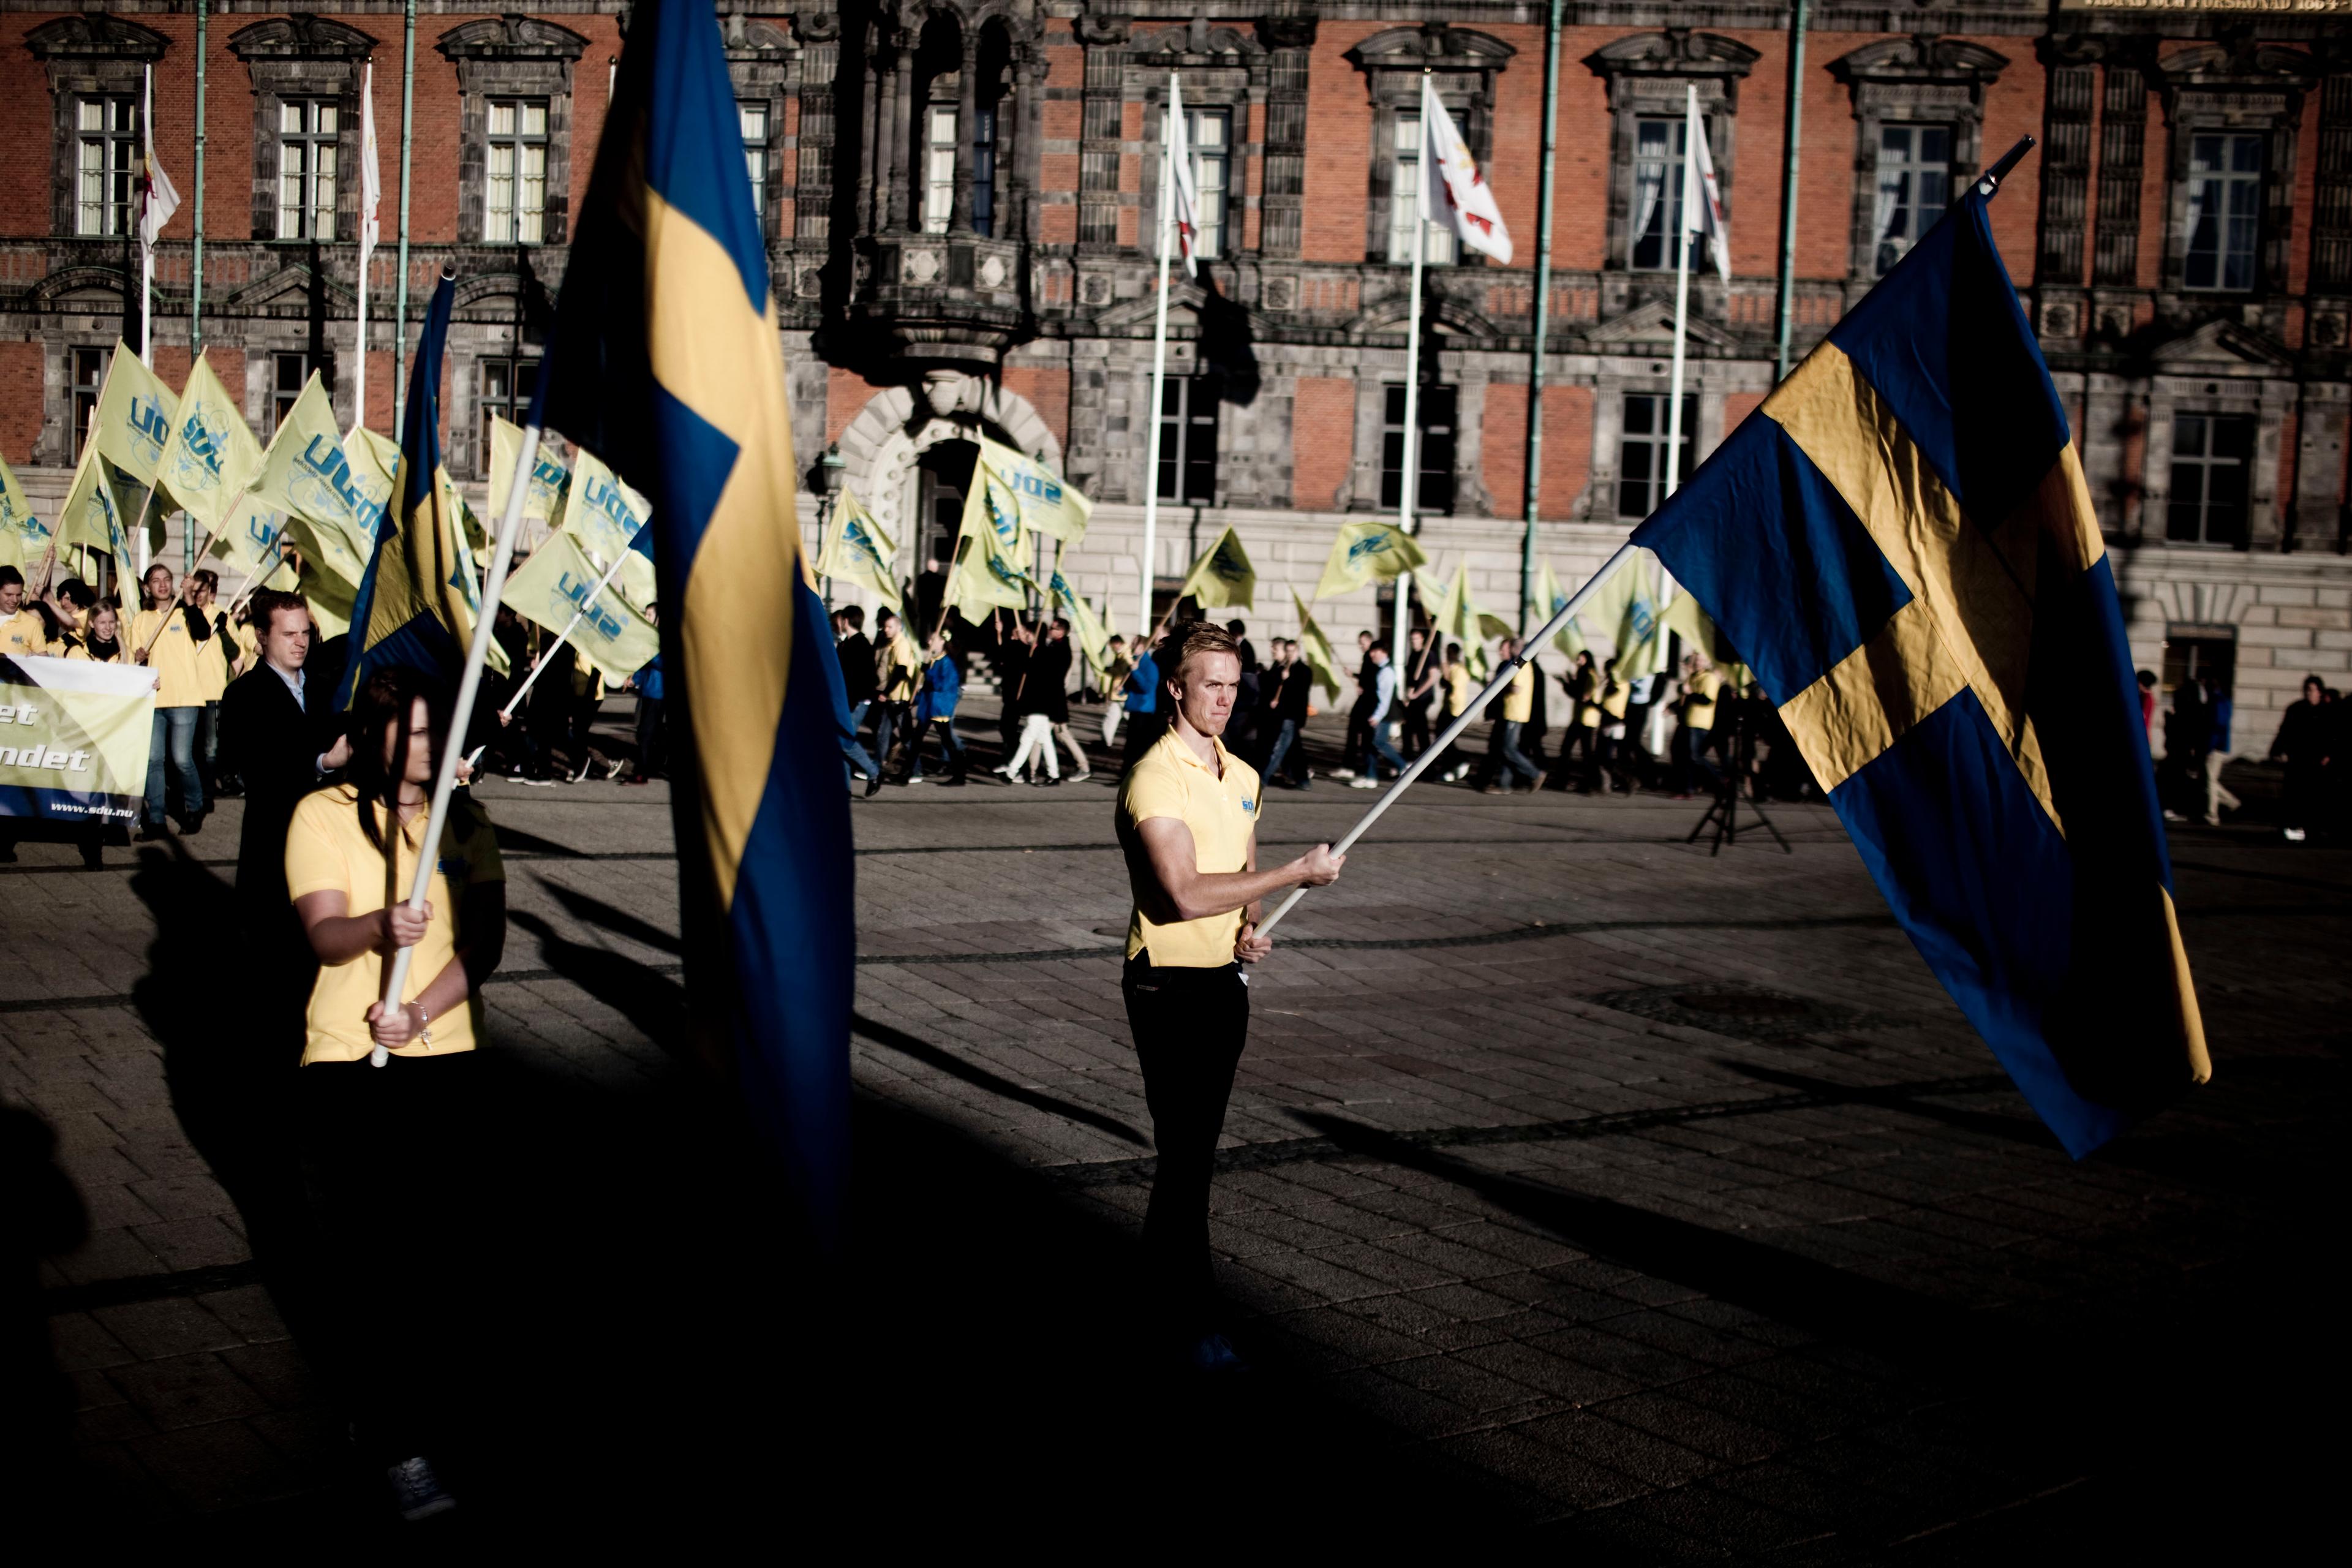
pixel 375 1144
pixel 178 631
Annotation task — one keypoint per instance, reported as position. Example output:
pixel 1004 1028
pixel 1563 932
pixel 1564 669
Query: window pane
pixel 93 114
pixel 534 117
pixel 502 117
pixel 326 120
pixel 1404 191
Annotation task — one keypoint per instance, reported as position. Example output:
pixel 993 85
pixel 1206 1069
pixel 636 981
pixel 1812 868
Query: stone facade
pixel 960 201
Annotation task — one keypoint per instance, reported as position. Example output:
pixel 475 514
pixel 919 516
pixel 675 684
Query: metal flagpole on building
pixel 1786 306
pixel 197 255
pixel 1543 316
pixel 1692 130
pixel 1504 674
pixel 371 192
pixel 1158 357
pixel 147 251
pixel 400 286
pixel 1409 479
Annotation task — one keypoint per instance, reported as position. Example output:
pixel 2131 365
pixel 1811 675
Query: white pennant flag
pixel 1702 198
pixel 1184 200
pixel 159 198
pixel 371 180
pixel 1452 192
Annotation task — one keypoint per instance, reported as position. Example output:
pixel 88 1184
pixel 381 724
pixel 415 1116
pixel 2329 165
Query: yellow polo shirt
pixel 1699 701
pixel 1459 689
pixel 24 633
pixel 326 852
pixel 1588 711
pixel 1519 698
pixel 1221 809
pixel 173 659
pixel 1614 698
pixel 211 658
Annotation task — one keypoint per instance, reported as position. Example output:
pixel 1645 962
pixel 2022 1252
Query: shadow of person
pixel 41 1215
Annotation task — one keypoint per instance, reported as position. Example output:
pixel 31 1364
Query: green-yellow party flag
pixel 1221 576
pixel 25 540
pixel 133 417
pixel 1367 552
pixel 857 551
pixel 558 583
pixel 604 515
pixel 210 456
pixel 1316 649
pixel 1045 503
pixel 542 497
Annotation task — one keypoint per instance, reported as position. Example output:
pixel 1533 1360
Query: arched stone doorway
pixel 889 462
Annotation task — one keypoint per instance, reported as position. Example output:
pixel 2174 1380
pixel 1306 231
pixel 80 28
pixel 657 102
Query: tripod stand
pixel 1724 814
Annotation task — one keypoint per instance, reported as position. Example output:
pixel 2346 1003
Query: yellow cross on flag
pixel 558 583
pixel 857 551
pixel 210 456
pixel 1045 503
pixel 1367 552
pixel 1221 576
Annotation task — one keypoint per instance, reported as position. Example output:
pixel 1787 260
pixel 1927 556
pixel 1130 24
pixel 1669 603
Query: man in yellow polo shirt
pixel 168 637
pixel 1701 684
pixel 22 628
pixel 1188 814
pixel 1506 761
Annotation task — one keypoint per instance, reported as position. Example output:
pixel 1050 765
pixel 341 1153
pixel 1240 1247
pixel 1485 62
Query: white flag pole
pixel 1159 355
pixel 367 197
pixel 1408 480
pixel 146 250
pixel 1686 211
pixel 1504 675
pixel 470 685
pixel 588 602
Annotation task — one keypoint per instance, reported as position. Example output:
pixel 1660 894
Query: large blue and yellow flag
pixel 412 608
pixel 1904 548
pixel 669 368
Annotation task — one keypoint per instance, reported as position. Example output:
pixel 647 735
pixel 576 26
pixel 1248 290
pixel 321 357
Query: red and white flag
pixel 1183 199
pixel 1452 191
pixel 1702 198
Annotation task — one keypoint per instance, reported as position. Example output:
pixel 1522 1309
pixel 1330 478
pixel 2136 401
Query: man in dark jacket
pixel 278 732
pixel 858 685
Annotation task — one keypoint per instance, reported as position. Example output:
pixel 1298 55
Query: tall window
pixel 305 168
pixel 89 377
pixel 105 163
pixel 506 388
pixel 1658 147
pixel 2225 194
pixel 1435 413
pixel 1404 201
pixel 2211 453
pixel 754 118
pixel 1642 452
pixel 515 211
pixel 983 172
pixel 292 372
pixel 1915 186
pixel 939 168
pixel 1187 440
pixel 1209 132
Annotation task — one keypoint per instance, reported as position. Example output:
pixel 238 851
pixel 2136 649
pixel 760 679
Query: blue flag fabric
pixel 667 340
pixel 1904 548
pixel 412 608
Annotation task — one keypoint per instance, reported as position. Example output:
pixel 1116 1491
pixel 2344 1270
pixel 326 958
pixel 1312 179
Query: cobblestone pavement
pixel 1577 1181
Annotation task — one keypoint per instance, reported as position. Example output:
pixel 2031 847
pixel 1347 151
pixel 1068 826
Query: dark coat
pixel 1046 684
pixel 859 681
pixel 274 744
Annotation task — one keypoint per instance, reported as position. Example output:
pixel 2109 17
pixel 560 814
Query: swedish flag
pixel 668 365
pixel 1904 548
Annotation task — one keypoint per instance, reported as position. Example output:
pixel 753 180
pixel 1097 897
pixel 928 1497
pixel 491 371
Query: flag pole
pixel 1166 222
pixel 470 685
pixel 1503 677
pixel 359 351
pixel 1692 129
pixel 588 602
pixel 1533 497
pixel 1409 479
pixel 147 251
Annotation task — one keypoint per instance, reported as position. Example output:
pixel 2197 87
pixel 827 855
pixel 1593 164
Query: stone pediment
pixel 1921 59
pixel 1201 44
pixel 2222 348
pixel 1433 46
pixel 300 37
pixel 289 286
pixel 511 38
pixel 1653 323
pixel 95 36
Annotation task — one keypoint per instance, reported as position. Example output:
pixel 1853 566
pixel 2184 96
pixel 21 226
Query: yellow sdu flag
pixel 95 510
pixel 984 575
pixel 210 455
pixel 542 497
pixel 857 551
pixel 1626 610
pixel 24 538
pixel 1549 597
pixel 557 587
pixel 1223 575
pixel 133 417
pixel 1045 503
pixel 1367 552
pixel 604 515
pixel 1090 633
pixel 1316 649
pixel 307 475
pixel 1459 619
pixel 253 543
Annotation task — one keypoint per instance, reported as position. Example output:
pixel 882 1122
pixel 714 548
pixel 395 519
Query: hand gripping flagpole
pixel 1471 710
pixel 470 685
pixel 588 602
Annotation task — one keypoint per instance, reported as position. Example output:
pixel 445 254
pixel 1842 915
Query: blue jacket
pixel 649 683
pixel 942 689
pixel 1143 685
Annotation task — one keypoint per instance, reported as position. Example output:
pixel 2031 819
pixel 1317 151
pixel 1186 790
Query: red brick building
pixel 960 198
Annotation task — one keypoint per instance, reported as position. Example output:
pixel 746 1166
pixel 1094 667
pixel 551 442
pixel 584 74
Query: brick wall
pixel 20 396
pixel 1047 388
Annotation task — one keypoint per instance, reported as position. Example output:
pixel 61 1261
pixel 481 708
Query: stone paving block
pixel 186 1391
pixel 1568 1480
pixel 173 1326
pixel 219 1467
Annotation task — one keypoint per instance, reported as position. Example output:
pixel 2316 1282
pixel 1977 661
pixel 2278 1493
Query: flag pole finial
pixel 1992 177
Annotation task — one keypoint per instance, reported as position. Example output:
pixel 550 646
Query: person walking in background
pixel 1614 771
pixel 858 685
pixel 1377 748
pixel 2187 732
pixel 1423 670
pixel 653 742
pixel 1059 651
pixel 1042 702
pixel 897 669
pixel 1266 724
pixel 935 708
pixel 2303 744
pixel 1359 711
pixel 1581 685
pixel 1456 681
pixel 1141 700
pixel 1695 733
pixel 1116 665
pixel 178 632
pixel 1013 649
pixel 1505 759
pixel 216 667
pixel 395 1275
pixel 2219 710
pixel 1290 713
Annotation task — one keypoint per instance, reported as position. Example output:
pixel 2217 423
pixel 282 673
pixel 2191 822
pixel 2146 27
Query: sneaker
pixel 2293 835
pixel 583 773
pixel 612 768
pixel 1210 1354
pixel 915 779
pixel 1053 782
pixel 534 783
pixel 416 1491
pixel 1363 783
pixel 1340 774
pixel 1081 778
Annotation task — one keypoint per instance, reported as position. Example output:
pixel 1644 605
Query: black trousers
pixel 1190 1027
pixel 388 1161
pixel 653 747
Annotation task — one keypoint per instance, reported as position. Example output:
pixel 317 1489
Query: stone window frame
pixel 512 57
pixel 2259 89
pixel 761 58
pixel 304 57
pixel 1223 68
pixel 1462 66
pixel 1619 376
pixel 1918 80
pixel 2268 400
pixel 1646 74
pixel 89 55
